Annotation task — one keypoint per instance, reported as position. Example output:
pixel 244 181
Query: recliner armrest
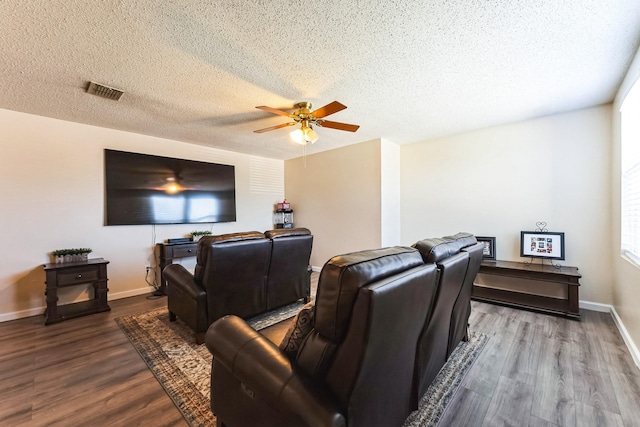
pixel 177 275
pixel 264 369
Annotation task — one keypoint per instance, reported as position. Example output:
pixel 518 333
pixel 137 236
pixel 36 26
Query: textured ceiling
pixel 407 70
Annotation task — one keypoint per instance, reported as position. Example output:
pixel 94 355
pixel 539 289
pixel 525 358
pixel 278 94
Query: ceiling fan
pixel 304 116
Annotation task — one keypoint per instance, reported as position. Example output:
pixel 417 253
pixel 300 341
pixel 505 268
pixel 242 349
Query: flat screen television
pixel 145 189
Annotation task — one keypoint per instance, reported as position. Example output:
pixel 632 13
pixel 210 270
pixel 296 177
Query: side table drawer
pixel 189 250
pixel 78 275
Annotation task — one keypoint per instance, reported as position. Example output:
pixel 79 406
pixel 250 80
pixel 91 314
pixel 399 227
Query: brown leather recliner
pixel 289 277
pixel 356 365
pixel 433 345
pixel 462 306
pixel 230 277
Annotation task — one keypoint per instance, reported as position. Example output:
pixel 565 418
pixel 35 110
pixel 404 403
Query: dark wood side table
pixel 93 271
pixel 563 276
pixel 167 252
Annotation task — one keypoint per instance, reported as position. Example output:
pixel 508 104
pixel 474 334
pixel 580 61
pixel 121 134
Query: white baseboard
pixel 607 308
pixel 626 337
pixel 596 306
pixel 38 311
pixel 131 293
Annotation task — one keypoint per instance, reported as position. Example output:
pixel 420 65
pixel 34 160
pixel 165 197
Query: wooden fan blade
pixel 338 125
pixel 284 125
pixel 334 107
pixel 273 110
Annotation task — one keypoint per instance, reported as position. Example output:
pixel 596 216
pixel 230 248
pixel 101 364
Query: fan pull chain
pixel 304 156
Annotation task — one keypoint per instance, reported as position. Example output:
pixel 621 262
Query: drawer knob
pixel 79 276
pixel 189 250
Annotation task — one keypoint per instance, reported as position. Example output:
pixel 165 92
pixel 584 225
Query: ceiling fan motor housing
pixel 303 112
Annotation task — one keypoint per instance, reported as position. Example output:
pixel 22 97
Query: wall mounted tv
pixel 146 189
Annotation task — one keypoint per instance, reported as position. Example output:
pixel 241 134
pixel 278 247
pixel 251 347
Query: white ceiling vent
pixel 104 91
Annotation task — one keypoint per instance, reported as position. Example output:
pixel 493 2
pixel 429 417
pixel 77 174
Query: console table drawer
pixel 183 252
pixel 77 276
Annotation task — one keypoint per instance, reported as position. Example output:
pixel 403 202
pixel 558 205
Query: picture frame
pixel 489 251
pixel 542 244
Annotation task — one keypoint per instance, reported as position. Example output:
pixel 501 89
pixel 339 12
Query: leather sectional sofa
pixel 245 274
pixel 384 321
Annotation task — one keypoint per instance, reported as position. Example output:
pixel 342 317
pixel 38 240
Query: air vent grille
pixel 104 91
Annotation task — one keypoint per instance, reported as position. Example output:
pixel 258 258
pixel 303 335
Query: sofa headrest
pixel 343 275
pixel 287 232
pixel 436 249
pixel 464 239
pixel 205 242
pixel 232 237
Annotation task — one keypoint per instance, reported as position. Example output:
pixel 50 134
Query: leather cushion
pixel 287 232
pixel 436 249
pixel 341 278
pixel 463 239
pixel 288 279
pixel 203 253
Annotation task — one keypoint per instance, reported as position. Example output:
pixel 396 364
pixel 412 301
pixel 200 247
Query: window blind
pixel 631 214
pixel 630 179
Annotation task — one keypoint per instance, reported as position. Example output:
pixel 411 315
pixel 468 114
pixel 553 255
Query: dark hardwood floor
pixel 80 372
pixel 536 370
pixel 541 370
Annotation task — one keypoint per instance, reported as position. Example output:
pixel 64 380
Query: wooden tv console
pixel 563 276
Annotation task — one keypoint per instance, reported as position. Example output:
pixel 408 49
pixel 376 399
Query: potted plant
pixel 70 255
pixel 196 235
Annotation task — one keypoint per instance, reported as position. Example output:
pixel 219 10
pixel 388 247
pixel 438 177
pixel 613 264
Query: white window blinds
pixel 630 162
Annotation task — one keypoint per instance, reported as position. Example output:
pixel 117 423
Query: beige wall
pixel 51 175
pixel 336 194
pixel 626 277
pixel 390 193
pixel 502 180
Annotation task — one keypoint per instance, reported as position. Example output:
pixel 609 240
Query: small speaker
pixel 179 240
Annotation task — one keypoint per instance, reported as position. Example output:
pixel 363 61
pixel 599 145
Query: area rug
pixel 435 400
pixel 183 368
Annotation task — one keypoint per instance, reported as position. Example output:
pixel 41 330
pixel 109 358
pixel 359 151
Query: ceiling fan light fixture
pixel 310 135
pixel 304 135
pixel 298 137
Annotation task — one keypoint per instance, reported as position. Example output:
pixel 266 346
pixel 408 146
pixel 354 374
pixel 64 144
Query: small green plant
pixel 71 255
pixel 200 233
pixel 76 251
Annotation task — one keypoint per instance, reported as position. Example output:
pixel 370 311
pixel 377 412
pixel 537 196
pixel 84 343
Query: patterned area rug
pixel 182 367
pixel 434 402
